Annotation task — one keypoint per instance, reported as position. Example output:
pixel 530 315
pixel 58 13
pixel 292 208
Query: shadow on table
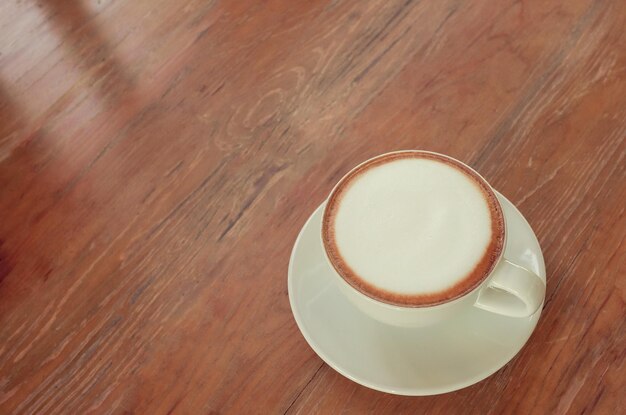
pixel 86 41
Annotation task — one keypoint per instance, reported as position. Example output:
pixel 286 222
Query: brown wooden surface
pixel 158 158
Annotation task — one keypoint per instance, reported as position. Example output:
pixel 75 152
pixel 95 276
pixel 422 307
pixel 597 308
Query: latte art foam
pixel 413 228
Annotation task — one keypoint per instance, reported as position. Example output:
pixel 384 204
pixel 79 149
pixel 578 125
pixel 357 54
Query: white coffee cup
pixel 507 288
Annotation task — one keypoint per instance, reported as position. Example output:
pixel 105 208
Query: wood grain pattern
pixel 158 158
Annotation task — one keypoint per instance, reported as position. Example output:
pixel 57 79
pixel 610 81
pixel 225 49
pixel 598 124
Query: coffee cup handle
pixel 513 291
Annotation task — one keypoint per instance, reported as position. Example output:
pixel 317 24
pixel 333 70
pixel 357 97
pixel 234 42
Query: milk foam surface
pixel 412 225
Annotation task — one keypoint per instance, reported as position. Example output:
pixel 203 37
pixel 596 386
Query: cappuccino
pixel 413 229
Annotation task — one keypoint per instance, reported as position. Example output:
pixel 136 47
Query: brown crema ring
pixel 473 279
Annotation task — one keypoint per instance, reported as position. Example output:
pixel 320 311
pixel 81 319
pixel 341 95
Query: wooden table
pixel 158 158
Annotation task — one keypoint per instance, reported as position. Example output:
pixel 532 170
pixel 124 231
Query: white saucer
pixel 406 361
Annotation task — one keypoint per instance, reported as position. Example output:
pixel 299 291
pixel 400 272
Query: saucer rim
pixel 532 324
